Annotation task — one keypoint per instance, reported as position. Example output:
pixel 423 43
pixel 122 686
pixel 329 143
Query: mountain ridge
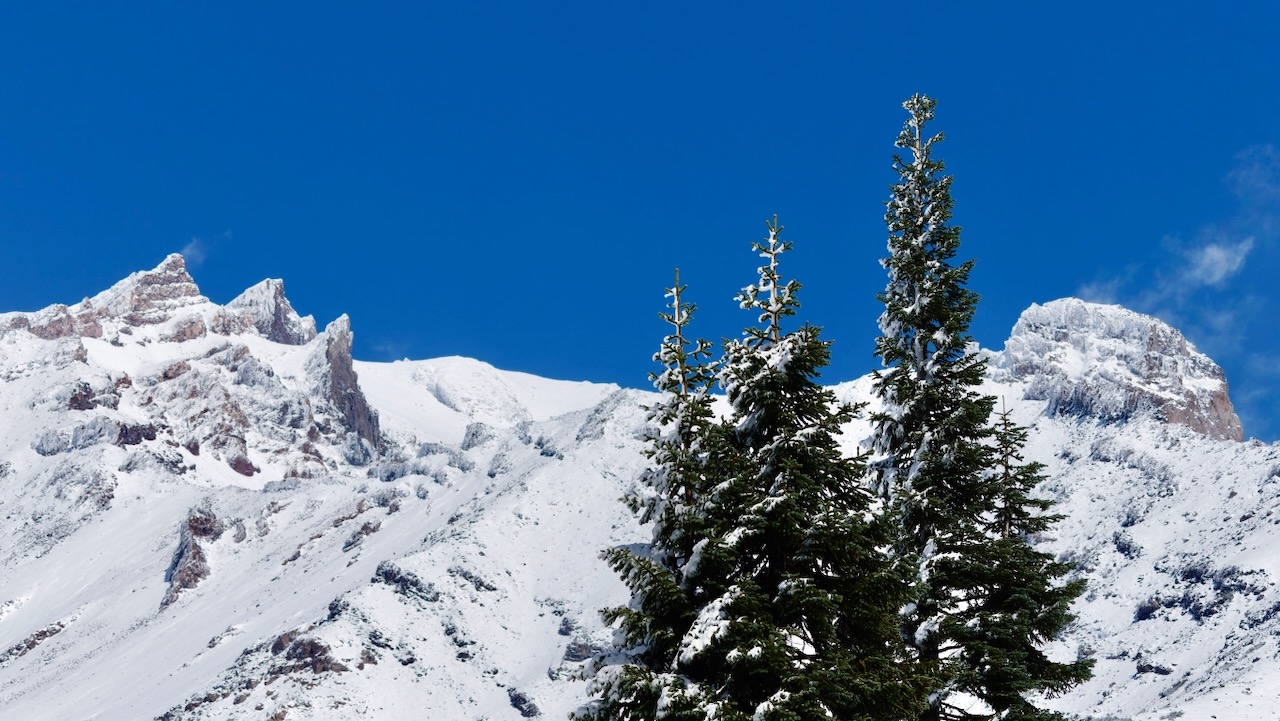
pixel 204 518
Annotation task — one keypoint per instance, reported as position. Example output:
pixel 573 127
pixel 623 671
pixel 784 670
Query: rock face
pixel 333 375
pixel 147 297
pixel 190 564
pixel 1110 363
pixel 167 301
pixel 265 308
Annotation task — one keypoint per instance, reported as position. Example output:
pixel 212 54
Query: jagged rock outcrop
pixel 333 376
pixel 99 429
pixel 1110 363
pixel 144 298
pixel 59 321
pixel 147 297
pixel 265 309
pixel 190 565
pixel 219 400
pixel 168 295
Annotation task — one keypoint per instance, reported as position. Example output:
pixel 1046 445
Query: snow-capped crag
pixel 213 512
pixel 1110 363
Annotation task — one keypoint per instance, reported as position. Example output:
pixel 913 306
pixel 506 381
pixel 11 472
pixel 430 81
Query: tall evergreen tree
pixel 813 622
pixel 936 465
pixel 639 679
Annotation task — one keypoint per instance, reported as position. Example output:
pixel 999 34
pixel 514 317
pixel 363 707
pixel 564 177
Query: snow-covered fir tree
pixel 807 625
pixel 640 678
pixel 984 601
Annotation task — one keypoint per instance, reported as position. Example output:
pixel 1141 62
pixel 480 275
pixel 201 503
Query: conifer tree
pixel 813 607
pixel 939 470
pixel 639 679
pixel 1024 602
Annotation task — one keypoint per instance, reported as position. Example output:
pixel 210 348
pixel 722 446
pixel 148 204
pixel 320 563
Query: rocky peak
pixel 147 297
pixel 265 308
pixel 144 298
pixel 333 377
pixel 1110 363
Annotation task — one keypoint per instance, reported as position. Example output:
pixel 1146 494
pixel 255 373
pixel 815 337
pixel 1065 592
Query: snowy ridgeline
pixel 213 512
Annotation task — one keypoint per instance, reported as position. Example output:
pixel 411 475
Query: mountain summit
pixel 1110 363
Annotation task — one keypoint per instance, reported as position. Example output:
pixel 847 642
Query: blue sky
pixel 516 181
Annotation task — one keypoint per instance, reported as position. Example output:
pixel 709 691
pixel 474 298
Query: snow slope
pixel 213 512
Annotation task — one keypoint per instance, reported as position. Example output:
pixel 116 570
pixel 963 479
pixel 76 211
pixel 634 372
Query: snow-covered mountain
pixel 214 512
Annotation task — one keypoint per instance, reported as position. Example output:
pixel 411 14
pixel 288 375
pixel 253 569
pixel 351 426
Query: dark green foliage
pixel 931 435
pixel 787 581
pixel 818 597
pixel 1022 602
pixel 640 675
pixel 985 601
pixel 767 591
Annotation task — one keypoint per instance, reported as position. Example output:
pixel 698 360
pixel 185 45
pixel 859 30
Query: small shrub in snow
pixel 1125 544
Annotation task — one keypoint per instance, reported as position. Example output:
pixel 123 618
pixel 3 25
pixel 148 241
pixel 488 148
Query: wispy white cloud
pixel 194 252
pixel 1219 251
pixel 1107 290
pixel 1216 262
pixel 1256 177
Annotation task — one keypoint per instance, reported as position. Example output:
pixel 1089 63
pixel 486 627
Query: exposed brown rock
pixel 308 654
pixel 224 323
pixel 26 645
pixel 189 565
pixel 87 320
pixel 84 396
pixel 1111 363
pixel 204 524
pixel 242 465
pixel 143 298
pixel 188 328
pixel 282 641
pixel 52 323
pixel 154 293
pixel 132 435
pixel 340 385
pixel 265 309
pixel 81 398
pixel 14 321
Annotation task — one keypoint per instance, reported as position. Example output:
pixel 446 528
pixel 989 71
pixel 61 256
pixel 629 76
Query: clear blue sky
pixel 515 181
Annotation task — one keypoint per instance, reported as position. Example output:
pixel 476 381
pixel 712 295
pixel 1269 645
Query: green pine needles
pixel 788 581
pixel 957 492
